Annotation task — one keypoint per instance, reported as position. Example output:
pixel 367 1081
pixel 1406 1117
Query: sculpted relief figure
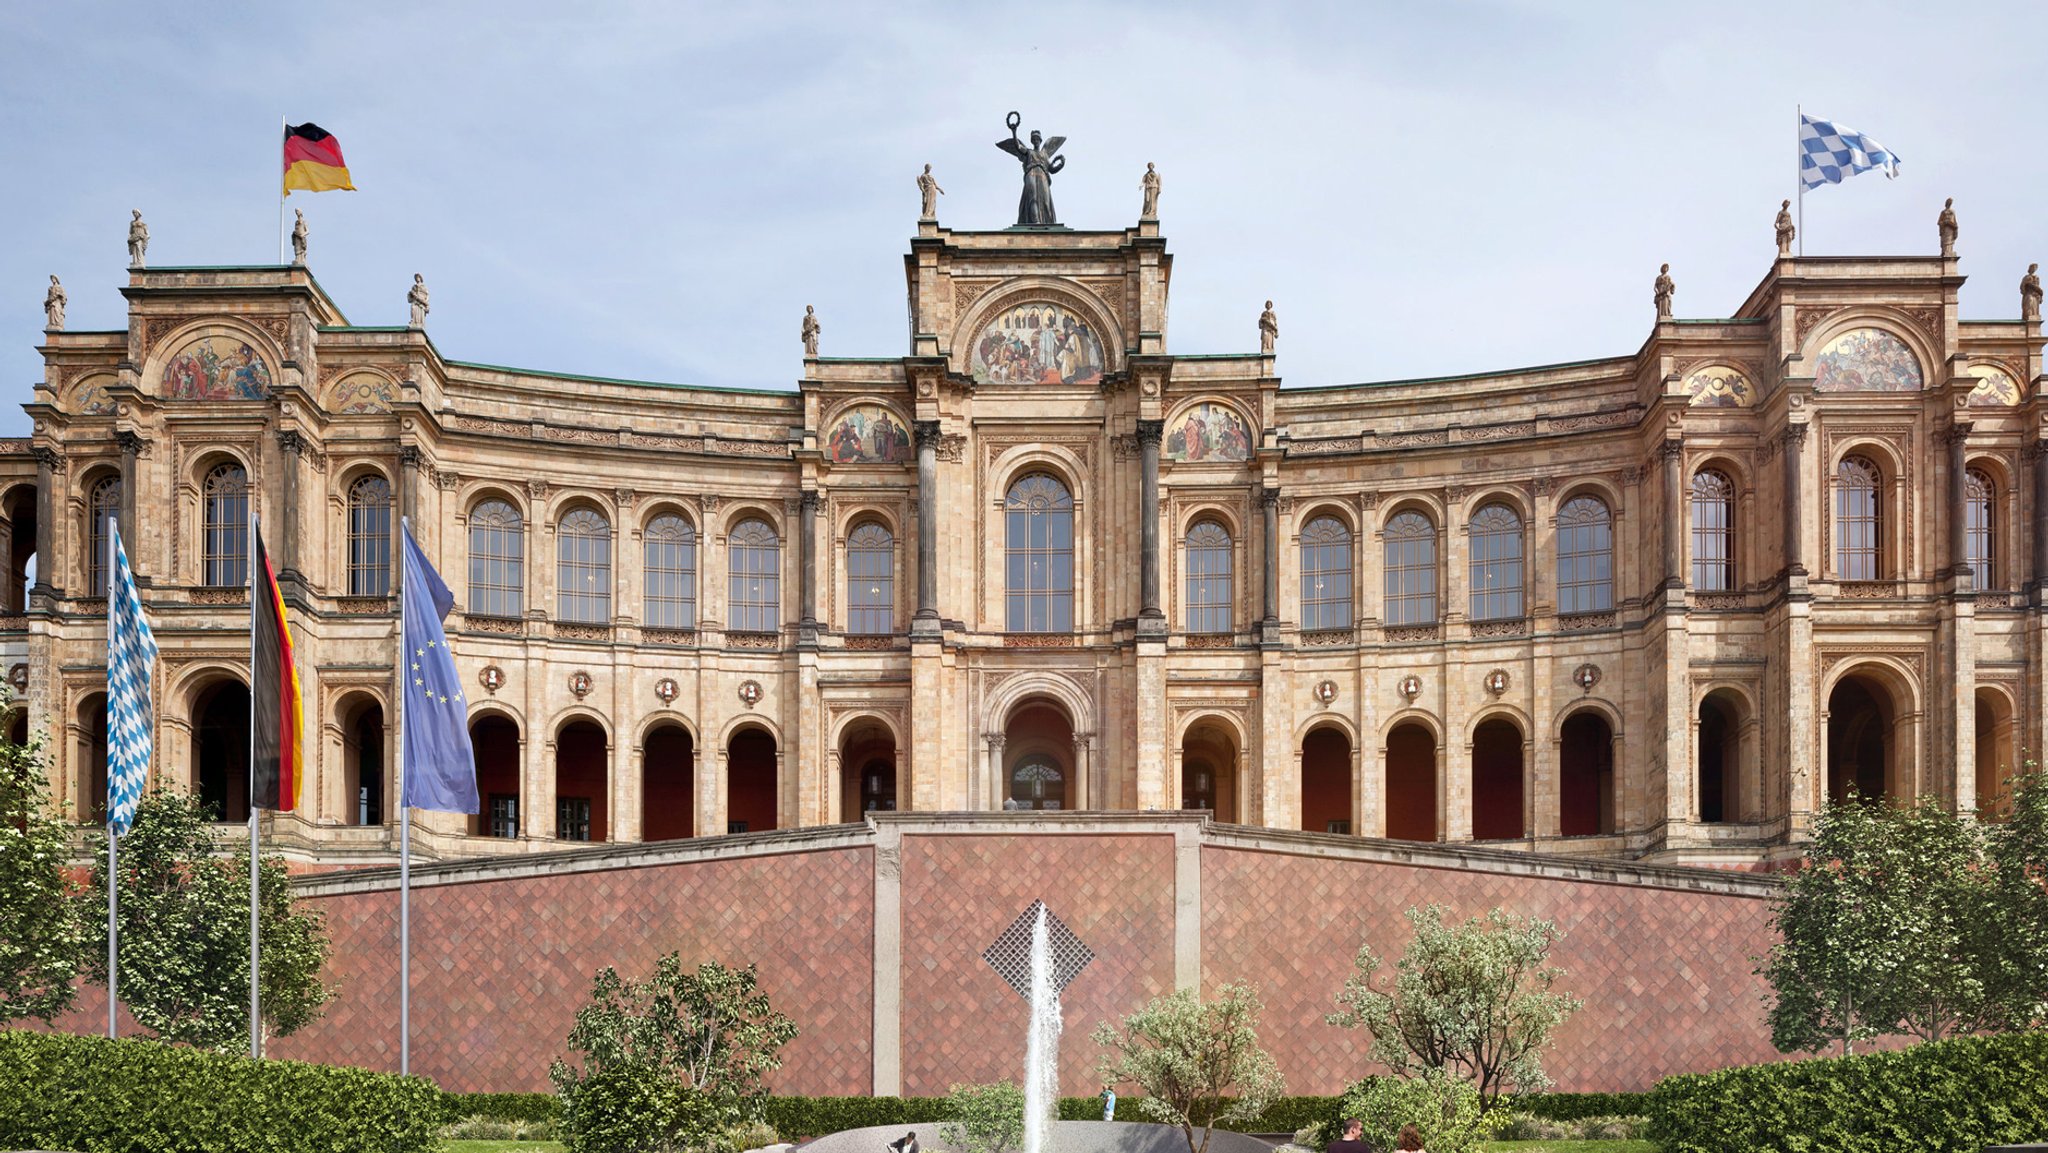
pixel 138 241
pixel 1269 330
pixel 1663 289
pixel 2030 294
pixel 299 237
pixel 1946 225
pixel 1041 161
pixel 1150 184
pixel 928 188
pixel 417 299
pixel 54 301
pixel 1785 229
pixel 810 330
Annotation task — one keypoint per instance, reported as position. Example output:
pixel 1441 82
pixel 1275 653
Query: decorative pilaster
pixel 1149 434
pixel 2037 455
pixel 49 468
pixel 131 478
pixel 290 445
pixel 1793 440
pixel 410 460
pixel 1672 453
pixel 927 617
pixel 1957 438
pixel 807 581
pixel 1269 592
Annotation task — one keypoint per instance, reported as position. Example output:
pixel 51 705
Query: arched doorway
pixel 494 739
pixel 1411 782
pixel 220 750
pixel 750 789
pixel 867 771
pixel 1038 758
pixel 1585 783
pixel 1860 717
pixel 21 541
pixel 362 761
pixel 1497 781
pixel 1208 770
pixel 581 760
pixel 91 808
pixel 668 785
pixel 1326 781
pixel 1719 786
pixel 1995 761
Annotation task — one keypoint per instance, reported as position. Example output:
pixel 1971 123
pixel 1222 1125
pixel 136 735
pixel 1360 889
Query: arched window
pixel 1585 556
pixel 1039 554
pixel 104 504
pixel 1858 525
pixel 1209 596
pixel 1713 532
pixel 497 560
pixel 583 569
pixel 1496 539
pixel 1411 570
pixel 1980 500
pixel 870 580
pixel 1325 575
pixel 754 566
pixel 671 573
pixel 369 537
pixel 225 554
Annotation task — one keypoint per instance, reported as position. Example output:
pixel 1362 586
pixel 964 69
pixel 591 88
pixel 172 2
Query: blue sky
pixel 657 190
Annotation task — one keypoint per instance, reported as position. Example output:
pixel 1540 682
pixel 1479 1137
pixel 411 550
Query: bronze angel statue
pixel 1041 160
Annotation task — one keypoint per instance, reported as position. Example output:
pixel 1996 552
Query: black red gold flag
pixel 312 160
pixel 273 695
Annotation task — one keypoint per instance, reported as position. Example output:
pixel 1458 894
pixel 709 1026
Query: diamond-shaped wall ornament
pixel 1010 954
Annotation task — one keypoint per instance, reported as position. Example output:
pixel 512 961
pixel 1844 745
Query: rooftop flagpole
pixel 1798 172
pixel 283 126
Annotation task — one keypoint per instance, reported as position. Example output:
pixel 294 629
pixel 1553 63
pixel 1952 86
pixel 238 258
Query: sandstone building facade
pixel 1659 605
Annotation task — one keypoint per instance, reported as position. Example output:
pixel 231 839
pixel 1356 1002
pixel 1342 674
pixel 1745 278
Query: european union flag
pixel 440 768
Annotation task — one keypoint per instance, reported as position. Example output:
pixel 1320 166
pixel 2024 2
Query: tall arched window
pixel 225 551
pixel 870 580
pixel 1859 534
pixel 754 569
pixel 104 504
pixel 1496 540
pixel 1325 575
pixel 583 570
pixel 1209 594
pixel 1585 556
pixel 497 560
pixel 671 573
pixel 1713 532
pixel 1411 570
pixel 369 537
pixel 1039 555
pixel 1980 500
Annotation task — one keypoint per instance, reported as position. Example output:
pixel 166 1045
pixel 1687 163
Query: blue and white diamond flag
pixel 131 652
pixel 1829 152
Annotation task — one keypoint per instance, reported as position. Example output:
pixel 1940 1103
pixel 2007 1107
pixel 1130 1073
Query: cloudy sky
pixel 656 190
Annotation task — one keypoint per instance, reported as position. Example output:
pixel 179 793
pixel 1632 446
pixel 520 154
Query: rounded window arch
pixel 1859 520
pixel 1496 543
pixel 754 572
pixel 1325 574
pixel 369 536
pixel 1585 556
pixel 1980 527
pixel 1713 531
pixel 583 554
pixel 224 545
pixel 1410 569
pixel 671 597
pixel 1209 578
pixel 1038 555
pixel 497 559
pixel 871 579
pixel 103 504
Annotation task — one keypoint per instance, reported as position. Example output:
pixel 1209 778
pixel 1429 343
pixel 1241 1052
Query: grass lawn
pixel 502 1147
pixel 1569 1147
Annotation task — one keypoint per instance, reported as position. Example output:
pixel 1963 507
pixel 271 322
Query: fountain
pixel 1042 1043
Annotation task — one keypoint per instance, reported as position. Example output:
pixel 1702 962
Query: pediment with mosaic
pixel 1995 388
pixel 216 368
pixel 1036 342
pixel 1719 386
pixel 361 394
pixel 1867 360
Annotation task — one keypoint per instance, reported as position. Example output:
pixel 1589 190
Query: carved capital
pixel 710 501
pixel 47 457
pixel 625 497
pixel 1543 485
pixel 1671 450
pixel 537 488
pixel 1794 436
pixel 811 499
pixel 1150 432
pixel 995 741
pixel 1269 498
pixel 290 440
pixel 926 433
pixel 130 441
pixel 2037 451
pixel 1957 432
pixel 410 456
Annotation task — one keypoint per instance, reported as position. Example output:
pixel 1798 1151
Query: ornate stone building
pixel 1662 604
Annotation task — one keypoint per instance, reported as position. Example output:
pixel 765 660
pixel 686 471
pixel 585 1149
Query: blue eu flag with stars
pixel 440 769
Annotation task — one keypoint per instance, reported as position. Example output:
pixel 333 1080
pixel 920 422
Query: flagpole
pixel 255 949
pixel 283 193
pixel 404 832
pixel 1798 175
pixel 113 929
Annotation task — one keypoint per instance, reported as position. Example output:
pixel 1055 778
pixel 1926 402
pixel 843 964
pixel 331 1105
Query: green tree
pixel 184 922
pixel 1446 1109
pixel 2017 848
pixel 1472 999
pixel 984 1118
pixel 40 937
pixel 1197 1062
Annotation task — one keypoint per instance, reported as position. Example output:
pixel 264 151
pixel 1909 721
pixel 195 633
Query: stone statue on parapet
pixel 1150 184
pixel 298 237
pixel 1786 231
pixel 928 188
pixel 1663 289
pixel 138 241
pixel 417 299
pixel 1041 161
pixel 1946 225
pixel 55 299
pixel 810 331
pixel 2030 294
pixel 1269 330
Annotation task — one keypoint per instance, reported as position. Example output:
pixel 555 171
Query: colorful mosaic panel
pixel 1719 387
pixel 216 368
pixel 1037 343
pixel 867 434
pixel 1995 387
pixel 365 393
pixel 1866 360
pixel 1208 432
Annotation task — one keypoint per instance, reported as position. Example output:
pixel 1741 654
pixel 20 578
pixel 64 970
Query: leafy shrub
pixel 796 1118
pixel 1579 1106
pixel 1445 1108
pixel 493 1129
pixel 90 1093
pixel 984 1118
pixel 1936 1097
pixel 506 1106
pixel 1523 1127
pixel 632 1107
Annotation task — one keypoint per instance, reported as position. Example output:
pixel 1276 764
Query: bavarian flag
pixel 274 695
pixel 312 160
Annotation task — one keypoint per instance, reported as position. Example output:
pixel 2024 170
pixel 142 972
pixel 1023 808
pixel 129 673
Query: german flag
pixel 312 160
pixel 274 696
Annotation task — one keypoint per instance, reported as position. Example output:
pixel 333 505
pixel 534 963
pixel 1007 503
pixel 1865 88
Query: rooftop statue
pixel 138 240
pixel 810 330
pixel 1041 160
pixel 1150 186
pixel 1945 224
pixel 1786 229
pixel 416 299
pixel 299 237
pixel 1269 330
pixel 2030 293
pixel 928 188
pixel 1662 291
pixel 53 306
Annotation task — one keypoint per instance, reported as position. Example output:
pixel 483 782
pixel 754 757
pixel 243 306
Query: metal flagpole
pixel 1798 175
pixel 283 193
pixel 255 950
pixel 404 832
pixel 113 929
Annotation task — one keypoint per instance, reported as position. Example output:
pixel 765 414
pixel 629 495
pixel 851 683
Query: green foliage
pixel 1579 1106
pixel 2017 849
pixel 630 1107
pixel 494 1129
pixel 505 1106
pixel 796 1118
pixel 984 1118
pixel 185 932
pixel 1471 999
pixel 1186 1054
pixel 102 1096
pixel 1445 1108
pixel 1941 1097
pixel 40 935
pixel 1523 1127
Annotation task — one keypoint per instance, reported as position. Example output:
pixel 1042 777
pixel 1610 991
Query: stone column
pixel 49 466
pixel 807 545
pixel 410 463
pixel 1793 440
pixel 927 432
pixel 1149 432
pixel 289 444
pixel 992 787
pixel 1673 454
pixel 1959 504
pixel 131 477
pixel 1269 591
pixel 8 603
pixel 1087 793
pixel 2039 521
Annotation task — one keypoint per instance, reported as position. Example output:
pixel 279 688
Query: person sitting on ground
pixel 905 1144
pixel 1409 1140
pixel 1350 1143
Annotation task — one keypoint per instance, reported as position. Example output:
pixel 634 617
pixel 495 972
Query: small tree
pixel 984 1118
pixel 1471 999
pixel 1197 1062
pixel 2016 845
pixel 1446 1109
pixel 184 922
pixel 40 937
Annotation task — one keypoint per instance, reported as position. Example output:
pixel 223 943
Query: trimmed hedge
pixel 528 1107
pixel 1580 1106
pixel 1958 1096
pixel 92 1094
pixel 797 1117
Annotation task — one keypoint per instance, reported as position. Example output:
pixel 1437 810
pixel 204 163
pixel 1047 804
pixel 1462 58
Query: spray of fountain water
pixel 1042 1046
